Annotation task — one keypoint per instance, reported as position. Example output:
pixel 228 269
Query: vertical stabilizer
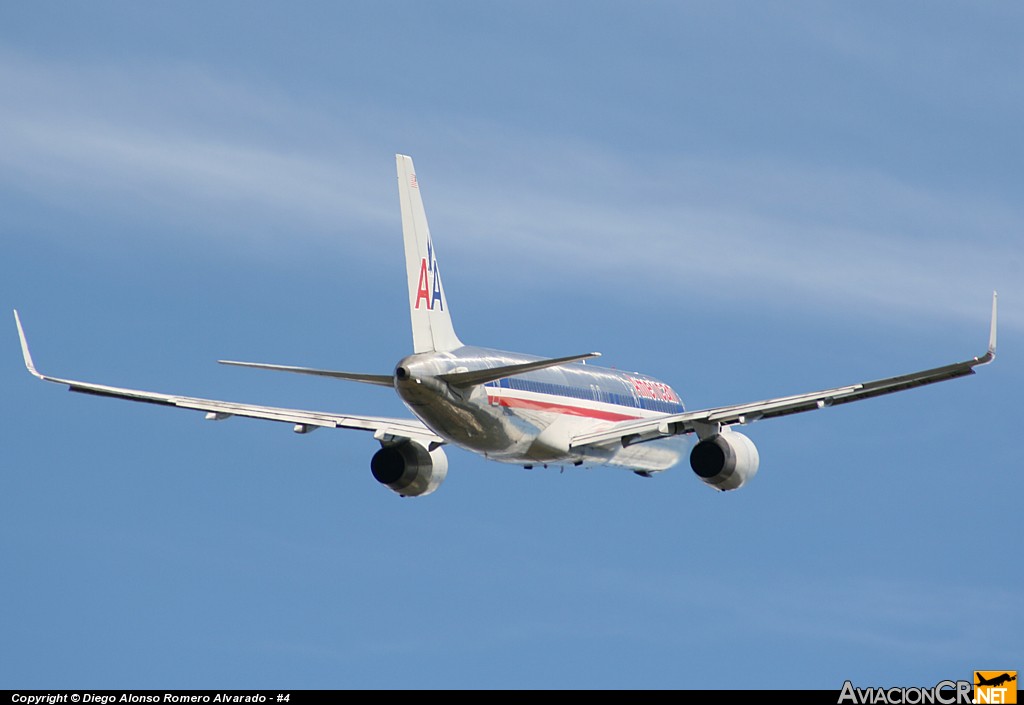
pixel 432 329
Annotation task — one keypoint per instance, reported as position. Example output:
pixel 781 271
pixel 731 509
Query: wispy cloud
pixel 172 146
pixel 735 231
pixel 243 162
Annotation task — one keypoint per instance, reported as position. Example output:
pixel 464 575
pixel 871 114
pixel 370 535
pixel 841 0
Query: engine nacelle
pixel 409 469
pixel 725 461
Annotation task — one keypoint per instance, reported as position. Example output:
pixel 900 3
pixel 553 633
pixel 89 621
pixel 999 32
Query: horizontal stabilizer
pixel 381 380
pixel 467 379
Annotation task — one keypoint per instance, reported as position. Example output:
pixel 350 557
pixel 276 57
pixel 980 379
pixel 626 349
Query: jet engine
pixel 725 461
pixel 409 469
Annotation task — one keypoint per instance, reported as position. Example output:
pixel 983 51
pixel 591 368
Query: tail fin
pixel 432 329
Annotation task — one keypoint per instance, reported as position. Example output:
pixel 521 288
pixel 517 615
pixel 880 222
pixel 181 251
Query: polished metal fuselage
pixel 531 417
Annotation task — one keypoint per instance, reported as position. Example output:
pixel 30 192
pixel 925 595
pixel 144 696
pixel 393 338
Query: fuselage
pixel 530 417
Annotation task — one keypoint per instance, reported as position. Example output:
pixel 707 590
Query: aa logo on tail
pixel 995 687
pixel 429 288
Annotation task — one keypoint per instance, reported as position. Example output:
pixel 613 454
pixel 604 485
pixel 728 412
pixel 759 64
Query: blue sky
pixel 742 199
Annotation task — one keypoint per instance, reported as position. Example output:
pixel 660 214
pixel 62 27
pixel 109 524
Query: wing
pixel 708 422
pixel 384 429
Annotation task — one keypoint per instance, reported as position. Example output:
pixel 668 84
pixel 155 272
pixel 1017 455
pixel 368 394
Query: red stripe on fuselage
pixel 536 405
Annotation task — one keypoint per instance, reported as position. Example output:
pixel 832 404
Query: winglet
pixel 992 331
pixel 990 355
pixel 24 347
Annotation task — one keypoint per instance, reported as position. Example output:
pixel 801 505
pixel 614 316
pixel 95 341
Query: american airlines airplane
pixel 523 409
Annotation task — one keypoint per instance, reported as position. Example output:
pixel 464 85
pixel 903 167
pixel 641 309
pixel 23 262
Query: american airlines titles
pixel 429 289
pixel 653 390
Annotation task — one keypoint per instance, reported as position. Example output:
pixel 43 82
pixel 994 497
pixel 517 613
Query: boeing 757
pixel 524 409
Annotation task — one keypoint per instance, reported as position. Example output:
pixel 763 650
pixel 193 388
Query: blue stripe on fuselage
pixel 617 392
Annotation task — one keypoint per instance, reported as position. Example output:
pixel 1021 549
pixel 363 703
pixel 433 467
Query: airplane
pixel 524 409
pixel 997 680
